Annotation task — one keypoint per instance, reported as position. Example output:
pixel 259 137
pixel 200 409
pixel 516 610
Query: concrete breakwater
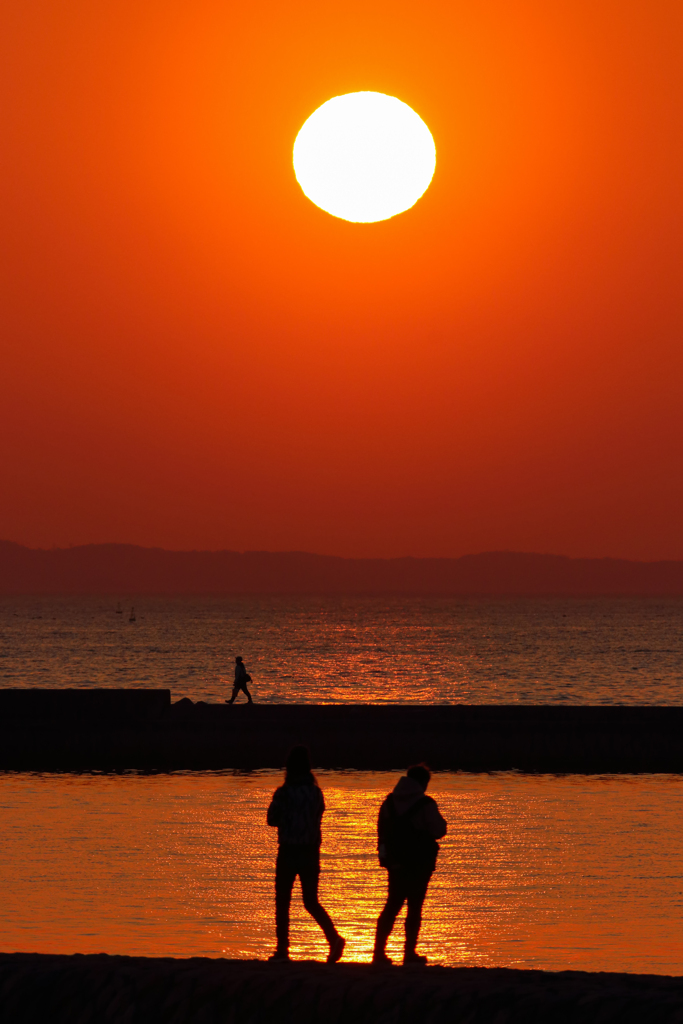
pixel 62 730
pixel 136 990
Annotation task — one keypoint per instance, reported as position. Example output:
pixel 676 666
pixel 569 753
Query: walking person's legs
pixel 236 689
pixel 416 892
pixel 285 873
pixel 396 897
pixel 309 873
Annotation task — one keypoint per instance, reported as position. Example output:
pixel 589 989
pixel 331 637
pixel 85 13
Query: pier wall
pixel 110 730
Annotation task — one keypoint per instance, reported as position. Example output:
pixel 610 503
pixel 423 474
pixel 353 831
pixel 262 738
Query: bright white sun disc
pixel 364 157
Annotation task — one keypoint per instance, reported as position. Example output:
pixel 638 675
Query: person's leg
pixel 309 873
pixel 285 873
pixel 244 687
pixel 235 691
pixel 385 922
pixel 416 892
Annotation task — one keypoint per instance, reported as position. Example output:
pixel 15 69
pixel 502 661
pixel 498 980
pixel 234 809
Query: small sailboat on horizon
pixel 131 617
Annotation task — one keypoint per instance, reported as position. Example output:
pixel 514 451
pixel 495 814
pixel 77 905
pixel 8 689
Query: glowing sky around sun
pixel 194 355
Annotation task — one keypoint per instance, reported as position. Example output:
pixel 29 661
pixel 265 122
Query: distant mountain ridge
pixel 124 569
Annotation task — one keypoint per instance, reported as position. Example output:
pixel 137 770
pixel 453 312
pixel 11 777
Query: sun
pixel 364 157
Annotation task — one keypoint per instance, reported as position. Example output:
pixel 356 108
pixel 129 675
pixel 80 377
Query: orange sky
pixel 195 356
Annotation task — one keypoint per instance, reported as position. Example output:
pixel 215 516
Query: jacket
pixel 408 826
pixel 296 811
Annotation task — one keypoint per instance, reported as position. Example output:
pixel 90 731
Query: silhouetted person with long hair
pixel 296 811
pixel 242 677
pixel 408 826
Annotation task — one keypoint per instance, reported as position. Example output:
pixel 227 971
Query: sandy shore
pixel 118 729
pixel 136 990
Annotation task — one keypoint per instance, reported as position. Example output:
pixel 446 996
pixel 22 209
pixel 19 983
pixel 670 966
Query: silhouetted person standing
pixel 242 677
pixel 296 810
pixel 408 826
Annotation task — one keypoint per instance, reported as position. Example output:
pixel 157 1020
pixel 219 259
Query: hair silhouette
pixel 420 773
pixel 299 766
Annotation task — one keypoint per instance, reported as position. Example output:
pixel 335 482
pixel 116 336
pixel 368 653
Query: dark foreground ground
pixel 114 730
pixel 134 990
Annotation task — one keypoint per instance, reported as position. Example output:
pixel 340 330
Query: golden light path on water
pixel 537 871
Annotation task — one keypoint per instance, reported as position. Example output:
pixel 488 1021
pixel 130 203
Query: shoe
pixel 336 950
pixel 381 960
pixel 280 954
pixel 414 958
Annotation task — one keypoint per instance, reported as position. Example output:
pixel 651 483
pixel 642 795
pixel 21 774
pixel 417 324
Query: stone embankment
pixel 102 989
pixel 114 730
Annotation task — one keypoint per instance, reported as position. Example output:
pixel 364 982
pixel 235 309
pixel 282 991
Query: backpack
pixel 404 845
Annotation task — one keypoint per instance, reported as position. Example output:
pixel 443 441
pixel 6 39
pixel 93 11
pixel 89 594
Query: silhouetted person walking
pixel 242 677
pixel 408 826
pixel 296 810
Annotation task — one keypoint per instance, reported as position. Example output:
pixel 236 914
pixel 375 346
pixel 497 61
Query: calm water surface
pixel 536 871
pixel 312 650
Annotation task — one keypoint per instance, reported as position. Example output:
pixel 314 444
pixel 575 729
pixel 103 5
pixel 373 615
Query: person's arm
pixel 435 820
pixel 274 816
pixel 429 819
pixel 382 821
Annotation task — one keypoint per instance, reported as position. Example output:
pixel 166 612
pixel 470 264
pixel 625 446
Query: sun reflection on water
pixel 536 871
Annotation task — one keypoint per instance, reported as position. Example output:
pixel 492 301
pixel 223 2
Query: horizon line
pixel 346 558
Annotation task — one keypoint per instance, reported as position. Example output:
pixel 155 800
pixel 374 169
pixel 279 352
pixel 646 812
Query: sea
pixel 539 871
pixel 536 871
pixel 353 650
